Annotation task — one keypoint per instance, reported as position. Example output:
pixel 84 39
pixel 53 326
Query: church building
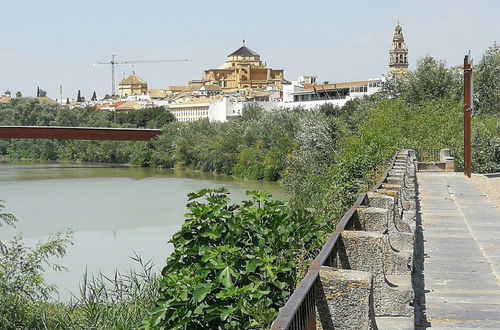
pixel 244 69
pixel 398 63
pixel 132 85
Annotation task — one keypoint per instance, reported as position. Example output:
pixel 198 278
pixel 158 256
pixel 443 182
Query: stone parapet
pixel 362 278
pixel 379 249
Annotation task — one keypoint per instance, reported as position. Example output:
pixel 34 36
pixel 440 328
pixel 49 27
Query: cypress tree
pixel 94 97
pixel 79 97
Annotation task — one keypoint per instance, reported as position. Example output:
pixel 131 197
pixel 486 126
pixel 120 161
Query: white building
pixel 307 94
pixel 304 93
pixel 225 108
pixel 193 110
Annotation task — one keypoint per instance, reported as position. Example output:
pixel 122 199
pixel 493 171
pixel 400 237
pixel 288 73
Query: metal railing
pixel 299 313
pixel 427 155
pixel 433 155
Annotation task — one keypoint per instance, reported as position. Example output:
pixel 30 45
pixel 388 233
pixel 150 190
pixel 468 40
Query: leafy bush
pixel 487 84
pixel 233 266
pixel 485 144
pixel 22 284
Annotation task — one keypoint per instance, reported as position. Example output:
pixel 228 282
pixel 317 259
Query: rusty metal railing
pixel 299 312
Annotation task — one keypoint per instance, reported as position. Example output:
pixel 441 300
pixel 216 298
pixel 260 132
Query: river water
pixel 113 211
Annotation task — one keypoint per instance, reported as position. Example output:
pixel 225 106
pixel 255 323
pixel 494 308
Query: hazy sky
pixel 51 43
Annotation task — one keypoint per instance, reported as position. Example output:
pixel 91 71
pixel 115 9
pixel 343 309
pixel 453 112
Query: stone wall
pixel 369 283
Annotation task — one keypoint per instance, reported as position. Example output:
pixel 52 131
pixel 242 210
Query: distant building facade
pixel 305 93
pixel 132 85
pixel 398 55
pixel 190 111
pixel 244 69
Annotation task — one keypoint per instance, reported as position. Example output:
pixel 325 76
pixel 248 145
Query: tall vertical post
pixel 113 63
pixel 467 115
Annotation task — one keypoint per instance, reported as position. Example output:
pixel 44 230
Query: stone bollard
pixel 450 164
pixel 443 154
pixel 366 251
pixel 344 299
pixel 386 220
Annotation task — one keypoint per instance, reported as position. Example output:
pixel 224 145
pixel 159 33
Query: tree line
pixel 234 265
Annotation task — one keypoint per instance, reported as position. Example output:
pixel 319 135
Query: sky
pixel 55 42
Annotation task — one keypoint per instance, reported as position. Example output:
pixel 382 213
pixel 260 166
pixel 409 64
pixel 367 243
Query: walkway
pixel 461 232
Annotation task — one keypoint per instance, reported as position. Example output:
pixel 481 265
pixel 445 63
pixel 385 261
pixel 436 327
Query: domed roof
pixel 244 52
pixel 133 79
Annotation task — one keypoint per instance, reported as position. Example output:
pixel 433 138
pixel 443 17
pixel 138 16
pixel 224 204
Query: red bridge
pixel 78 133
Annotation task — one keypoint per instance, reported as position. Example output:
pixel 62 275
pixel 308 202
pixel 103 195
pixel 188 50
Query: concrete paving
pixel 461 246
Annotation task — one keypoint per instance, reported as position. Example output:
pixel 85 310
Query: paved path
pixel 461 232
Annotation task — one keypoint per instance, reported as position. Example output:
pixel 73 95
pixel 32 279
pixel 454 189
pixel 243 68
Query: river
pixel 113 211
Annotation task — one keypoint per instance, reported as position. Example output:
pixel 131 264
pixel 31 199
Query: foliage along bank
pixel 324 159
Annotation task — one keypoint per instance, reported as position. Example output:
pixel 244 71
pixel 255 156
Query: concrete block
pixel 395 323
pixel 443 154
pixel 373 219
pixel 449 164
pixel 389 200
pixel 382 221
pixel 344 299
pixel 397 262
pixel 390 186
pixel 398 173
pixel 366 251
pixel 395 180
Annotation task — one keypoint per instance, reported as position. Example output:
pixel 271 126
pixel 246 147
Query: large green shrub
pixel 233 265
pixel 23 290
pixel 487 84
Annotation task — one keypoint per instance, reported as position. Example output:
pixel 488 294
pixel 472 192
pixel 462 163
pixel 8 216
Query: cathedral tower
pixel 398 63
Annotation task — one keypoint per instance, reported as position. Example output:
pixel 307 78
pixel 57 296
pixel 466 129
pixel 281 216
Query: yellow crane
pixel 114 63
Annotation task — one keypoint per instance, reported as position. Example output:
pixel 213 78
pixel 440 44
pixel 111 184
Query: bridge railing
pixel 301 310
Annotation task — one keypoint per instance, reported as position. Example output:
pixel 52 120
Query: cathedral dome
pixel 243 52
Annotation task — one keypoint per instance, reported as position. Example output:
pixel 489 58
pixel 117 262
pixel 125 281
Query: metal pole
pixel 467 116
pixel 113 62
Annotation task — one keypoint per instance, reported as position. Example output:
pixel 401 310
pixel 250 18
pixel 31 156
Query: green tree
pixel 432 80
pixel 488 82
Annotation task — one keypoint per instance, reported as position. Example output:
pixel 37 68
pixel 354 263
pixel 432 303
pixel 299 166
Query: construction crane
pixel 114 63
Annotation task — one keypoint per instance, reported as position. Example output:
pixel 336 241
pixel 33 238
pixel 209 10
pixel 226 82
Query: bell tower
pixel 398 63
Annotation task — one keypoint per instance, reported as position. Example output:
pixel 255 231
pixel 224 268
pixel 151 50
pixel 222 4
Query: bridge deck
pixel 461 232
pixel 78 133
